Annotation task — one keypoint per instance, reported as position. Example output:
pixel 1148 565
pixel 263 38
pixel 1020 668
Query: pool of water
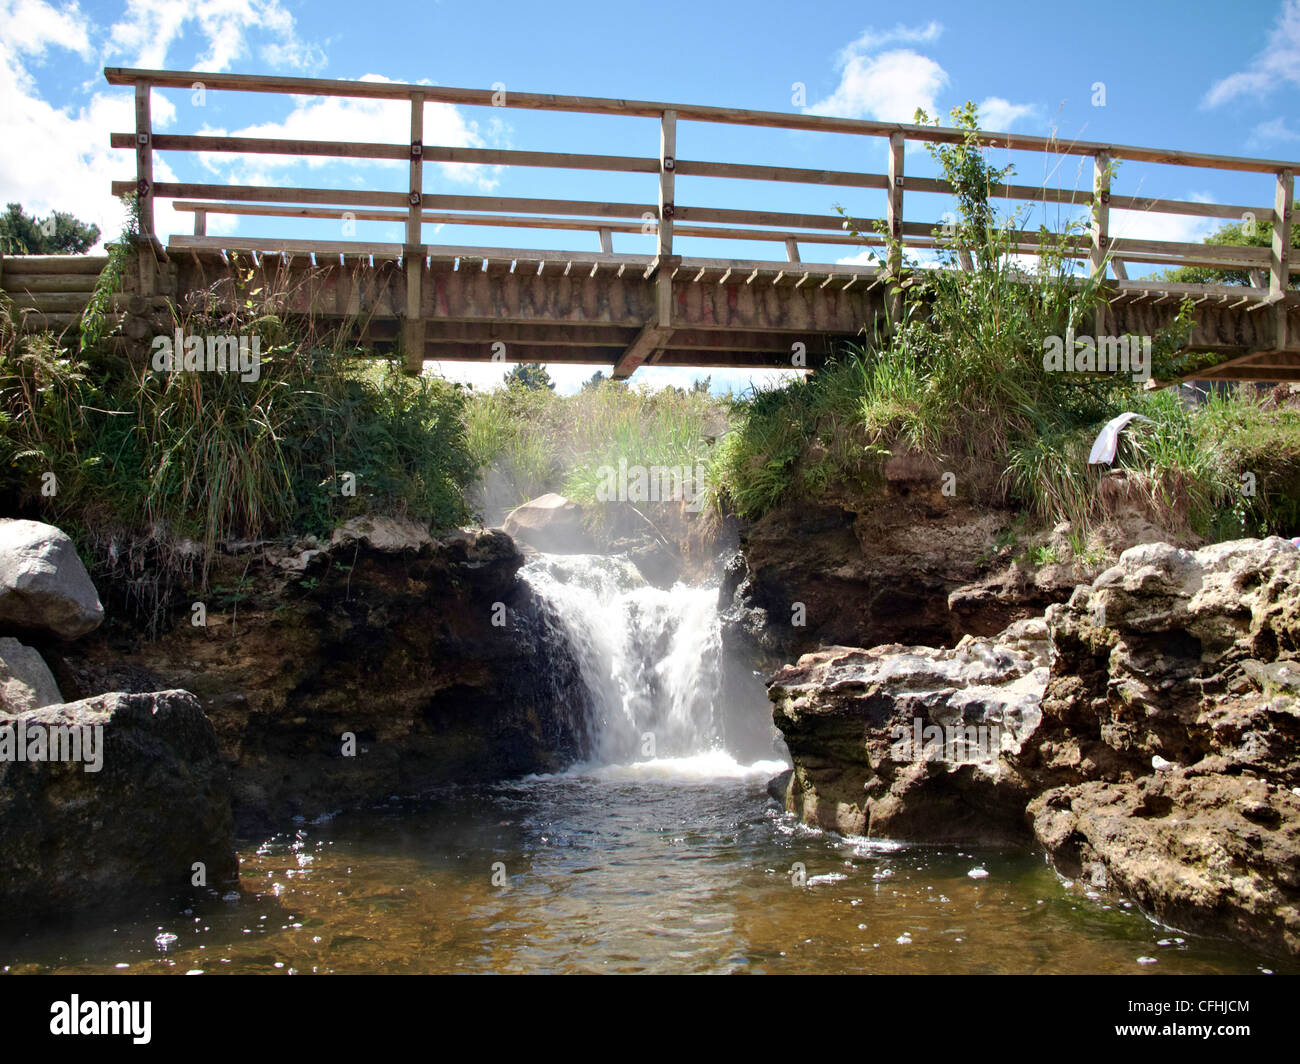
pixel 682 866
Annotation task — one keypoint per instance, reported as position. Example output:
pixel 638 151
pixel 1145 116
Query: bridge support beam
pixel 654 337
pixel 1280 260
pixel 413 251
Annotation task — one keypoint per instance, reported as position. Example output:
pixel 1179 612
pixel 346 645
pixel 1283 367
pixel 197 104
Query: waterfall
pixel 661 689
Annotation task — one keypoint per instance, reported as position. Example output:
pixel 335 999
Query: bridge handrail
pixel 1270 268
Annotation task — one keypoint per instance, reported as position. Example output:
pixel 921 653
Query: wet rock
pixel 128 831
pixel 1170 739
pixel 44 588
pixel 438 661
pixel 906 742
pixel 25 680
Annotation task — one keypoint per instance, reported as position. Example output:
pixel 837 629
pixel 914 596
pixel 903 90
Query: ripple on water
pixel 651 868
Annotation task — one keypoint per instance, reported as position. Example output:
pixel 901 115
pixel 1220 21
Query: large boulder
pixel 552 524
pixel 25 680
pixel 143 810
pixel 44 588
pixel 907 742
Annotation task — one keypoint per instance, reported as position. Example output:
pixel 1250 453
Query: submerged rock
pixel 44 588
pixel 906 742
pixel 128 821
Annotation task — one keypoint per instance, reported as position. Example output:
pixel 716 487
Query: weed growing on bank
pixel 125 455
pixel 961 377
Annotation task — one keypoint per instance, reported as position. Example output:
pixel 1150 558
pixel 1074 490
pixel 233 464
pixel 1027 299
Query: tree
pixel 702 384
pixel 59 234
pixel 529 375
pixel 595 380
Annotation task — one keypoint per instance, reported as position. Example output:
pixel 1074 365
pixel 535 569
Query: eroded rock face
pixel 906 742
pixel 132 829
pixel 1161 758
pixel 25 680
pixel 434 657
pixel 44 588
pixel 915 569
pixel 1169 751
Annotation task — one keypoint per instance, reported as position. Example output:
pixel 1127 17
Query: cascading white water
pixel 652 660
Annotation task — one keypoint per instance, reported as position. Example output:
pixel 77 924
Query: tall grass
pixel 184 462
pixel 959 377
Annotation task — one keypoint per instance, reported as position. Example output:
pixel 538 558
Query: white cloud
pixel 229 29
pixel 1273 131
pixel 1276 65
pixel 888 87
pixel 872 40
pixel 1000 115
pixel 31 26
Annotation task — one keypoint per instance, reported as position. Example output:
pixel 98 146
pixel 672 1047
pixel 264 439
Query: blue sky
pixel 1195 75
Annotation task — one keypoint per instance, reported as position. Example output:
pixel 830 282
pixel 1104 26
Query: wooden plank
pixel 144 189
pixel 415 151
pixel 1121 272
pixel 1279 270
pixel 650 338
pixel 667 169
pixel 606 240
pixel 1100 213
pixel 792 249
pixel 685 112
pixel 342 197
pixel 796 175
pixel 49 282
pixel 70 264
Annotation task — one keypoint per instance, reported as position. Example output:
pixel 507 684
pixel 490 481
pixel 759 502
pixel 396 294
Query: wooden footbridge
pixel 595 306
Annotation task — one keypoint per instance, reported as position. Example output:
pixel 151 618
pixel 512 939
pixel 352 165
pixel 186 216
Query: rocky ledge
pixel 384 661
pixel 1155 751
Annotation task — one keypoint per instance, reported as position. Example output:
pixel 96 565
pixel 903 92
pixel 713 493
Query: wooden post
pixel 894 220
pixel 1121 271
pixel 413 252
pixel 792 250
pixel 667 169
pixel 200 223
pixel 606 241
pixel 144 186
pixel 1280 262
pixel 1100 211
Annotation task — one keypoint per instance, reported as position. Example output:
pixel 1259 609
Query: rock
pixel 130 830
pixel 392 535
pixel 1198 850
pixel 779 786
pixel 441 662
pixel 1170 738
pixel 552 524
pixel 25 680
pixel 906 742
pixel 44 588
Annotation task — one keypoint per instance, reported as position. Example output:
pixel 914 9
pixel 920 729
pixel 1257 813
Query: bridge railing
pixel 1269 268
